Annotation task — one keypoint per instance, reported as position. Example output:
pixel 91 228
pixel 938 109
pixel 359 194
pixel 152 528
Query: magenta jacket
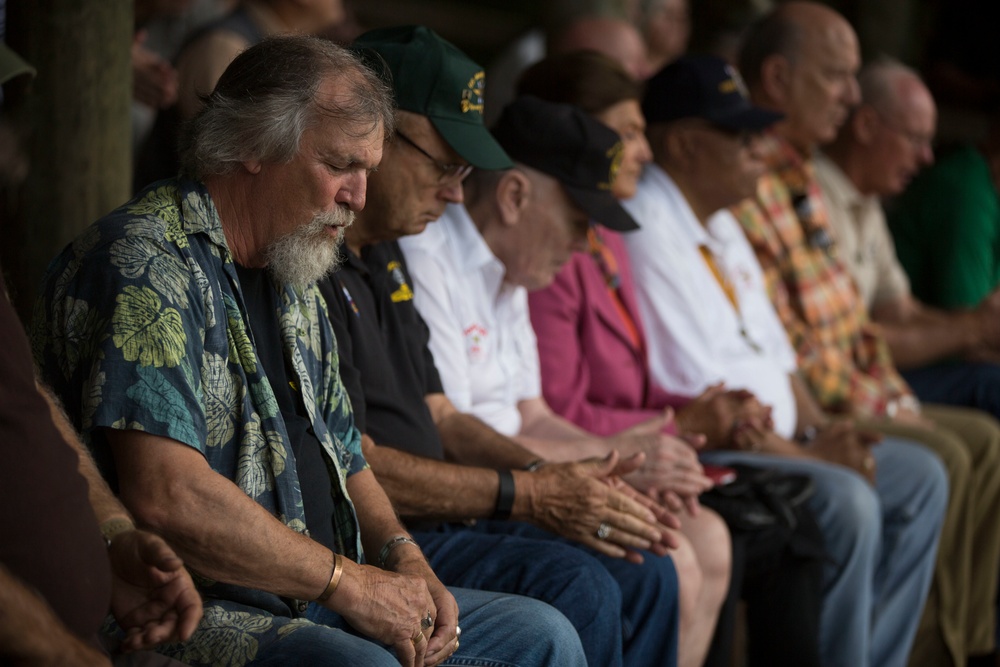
pixel 592 374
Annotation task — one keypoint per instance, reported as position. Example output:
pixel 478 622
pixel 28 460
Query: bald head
pixel 801 59
pixel 616 38
pixel 888 138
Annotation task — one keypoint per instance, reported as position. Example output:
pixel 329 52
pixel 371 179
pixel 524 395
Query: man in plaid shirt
pixel 802 60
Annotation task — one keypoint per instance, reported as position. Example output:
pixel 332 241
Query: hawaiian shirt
pixel 842 355
pixel 141 325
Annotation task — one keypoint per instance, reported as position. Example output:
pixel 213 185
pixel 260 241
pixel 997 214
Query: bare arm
pixel 552 437
pixel 809 412
pixel 152 596
pixel 918 335
pixel 170 487
pixel 31 633
pixel 469 441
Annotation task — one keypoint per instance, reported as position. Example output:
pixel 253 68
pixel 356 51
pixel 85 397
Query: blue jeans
pixel 963 383
pixel 497 631
pixel 882 544
pixel 622 611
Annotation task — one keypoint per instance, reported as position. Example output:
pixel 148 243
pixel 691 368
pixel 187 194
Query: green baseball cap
pixel 431 77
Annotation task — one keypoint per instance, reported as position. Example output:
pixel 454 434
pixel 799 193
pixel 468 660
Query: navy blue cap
pixel 563 141
pixel 707 87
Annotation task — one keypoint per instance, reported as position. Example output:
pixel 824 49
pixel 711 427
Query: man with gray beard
pixel 194 354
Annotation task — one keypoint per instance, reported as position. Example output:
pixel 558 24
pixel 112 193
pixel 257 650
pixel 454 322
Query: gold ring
pixel 420 637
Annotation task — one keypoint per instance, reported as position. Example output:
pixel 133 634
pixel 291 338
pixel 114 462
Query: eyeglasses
pixel 917 141
pixel 450 173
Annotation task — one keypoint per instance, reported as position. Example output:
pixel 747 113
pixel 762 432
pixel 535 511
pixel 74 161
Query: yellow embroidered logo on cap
pixel 472 96
pixel 734 84
pixel 616 154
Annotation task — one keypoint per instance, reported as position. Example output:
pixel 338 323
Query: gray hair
pixel 877 82
pixel 267 98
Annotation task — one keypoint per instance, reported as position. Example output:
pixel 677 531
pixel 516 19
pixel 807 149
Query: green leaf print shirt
pixel 141 325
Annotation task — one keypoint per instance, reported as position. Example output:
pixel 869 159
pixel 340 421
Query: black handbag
pixel 767 509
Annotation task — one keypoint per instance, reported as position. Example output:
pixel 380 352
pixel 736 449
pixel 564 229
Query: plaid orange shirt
pixel 841 354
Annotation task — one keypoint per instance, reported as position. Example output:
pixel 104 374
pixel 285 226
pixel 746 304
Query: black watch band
pixel 505 496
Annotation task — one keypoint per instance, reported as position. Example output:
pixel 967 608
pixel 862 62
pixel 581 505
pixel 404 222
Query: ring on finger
pixel 603 531
pixel 418 638
pixel 427 621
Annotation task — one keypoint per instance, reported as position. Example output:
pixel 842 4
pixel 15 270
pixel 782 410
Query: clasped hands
pixel 394 606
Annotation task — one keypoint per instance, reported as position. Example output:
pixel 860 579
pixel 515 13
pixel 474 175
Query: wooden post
pixel 75 117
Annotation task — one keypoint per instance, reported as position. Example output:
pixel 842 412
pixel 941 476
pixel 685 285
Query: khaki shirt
pixel 862 235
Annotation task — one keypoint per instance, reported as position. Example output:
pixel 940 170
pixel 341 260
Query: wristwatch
pixel 907 402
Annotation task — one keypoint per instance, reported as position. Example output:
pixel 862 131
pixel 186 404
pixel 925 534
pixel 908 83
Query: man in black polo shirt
pixel 399 403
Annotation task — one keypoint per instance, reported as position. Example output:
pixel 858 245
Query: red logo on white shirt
pixel 475 341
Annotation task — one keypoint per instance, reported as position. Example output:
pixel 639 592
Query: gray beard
pixel 309 253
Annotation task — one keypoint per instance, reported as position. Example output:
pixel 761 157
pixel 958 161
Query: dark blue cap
pixel 707 87
pixel 580 152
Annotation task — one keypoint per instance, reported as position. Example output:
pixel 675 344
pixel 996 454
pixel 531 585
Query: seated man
pixel 884 143
pixel 470 272
pixel 55 585
pixel 705 307
pixel 801 60
pixel 391 379
pixel 946 225
pixel 192 349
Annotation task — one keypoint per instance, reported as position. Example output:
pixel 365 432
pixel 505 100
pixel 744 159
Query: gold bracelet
pixel 338 572
pixel 114 527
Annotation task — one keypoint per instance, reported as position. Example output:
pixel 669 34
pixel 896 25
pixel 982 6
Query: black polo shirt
pixel 385 363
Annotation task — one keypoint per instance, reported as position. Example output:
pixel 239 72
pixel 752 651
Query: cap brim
pixel 11 64
pixel 602 208
pixel 474 143
pixel 751 118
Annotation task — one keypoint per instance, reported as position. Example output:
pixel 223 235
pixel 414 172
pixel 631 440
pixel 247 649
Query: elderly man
pixel 801 60
pixel 186 336
pixel 709 320
pixel 471 271
pixel 394 387
pixel 883 145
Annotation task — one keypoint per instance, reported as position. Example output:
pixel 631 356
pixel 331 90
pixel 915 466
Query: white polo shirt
pixel 694 334
pixel 481 336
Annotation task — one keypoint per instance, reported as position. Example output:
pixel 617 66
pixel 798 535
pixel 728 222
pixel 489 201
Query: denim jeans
pixel 497 631
pixel 882 544
pixel 625 613
pixel 962 383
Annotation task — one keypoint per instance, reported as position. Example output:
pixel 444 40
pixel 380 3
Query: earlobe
pixel 864 124
pixel 775 77
pixel 252 166
pixel 513 193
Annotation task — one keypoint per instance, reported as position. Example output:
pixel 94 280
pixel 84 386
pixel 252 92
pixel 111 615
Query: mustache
pixel 340 217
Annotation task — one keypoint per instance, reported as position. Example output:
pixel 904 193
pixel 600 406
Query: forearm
pixel 105 504
pixel 427 489
pixel 376 517
pixel 211 523
pixel 469 441
pixel 31 633
pixel 931 337
pixel 810 414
